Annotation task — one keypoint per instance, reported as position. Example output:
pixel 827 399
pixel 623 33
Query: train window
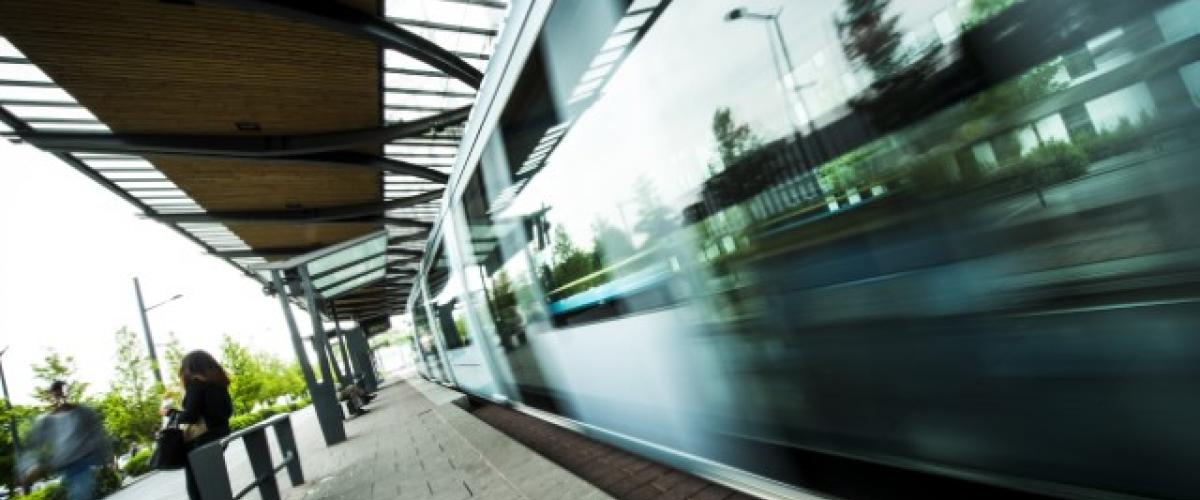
pixel 631 173
pixel 446 301
pixel 881 214
pixel 425 343
pixel 499 271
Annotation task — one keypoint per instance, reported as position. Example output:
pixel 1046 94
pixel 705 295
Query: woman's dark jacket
pixel 211 403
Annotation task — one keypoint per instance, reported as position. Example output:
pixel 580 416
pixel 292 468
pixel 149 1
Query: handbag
pixel 193 431
pixel 169 449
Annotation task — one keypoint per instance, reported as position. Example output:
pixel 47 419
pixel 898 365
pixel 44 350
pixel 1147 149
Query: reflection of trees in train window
pixel 616 235
pixel 1038 128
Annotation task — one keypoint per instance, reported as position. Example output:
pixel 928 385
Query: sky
pixel 69 250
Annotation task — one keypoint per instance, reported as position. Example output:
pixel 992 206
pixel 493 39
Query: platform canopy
pixel 258 129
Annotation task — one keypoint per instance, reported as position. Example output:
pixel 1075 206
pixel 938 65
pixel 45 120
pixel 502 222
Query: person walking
pixel 206 407
pixel 70 440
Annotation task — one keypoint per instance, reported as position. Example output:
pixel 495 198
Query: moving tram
pixel 953 236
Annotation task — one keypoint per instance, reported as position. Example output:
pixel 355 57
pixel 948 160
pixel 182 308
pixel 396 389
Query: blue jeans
pixel 79 479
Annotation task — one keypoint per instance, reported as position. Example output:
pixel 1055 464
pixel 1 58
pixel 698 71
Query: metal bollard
pixel 208 468
pixel 260 462
pixel 212 475
pixel 287 444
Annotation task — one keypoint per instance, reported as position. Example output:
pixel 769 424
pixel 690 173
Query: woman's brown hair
pixel 200 365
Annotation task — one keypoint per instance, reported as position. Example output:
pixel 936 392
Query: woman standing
pixel 205 401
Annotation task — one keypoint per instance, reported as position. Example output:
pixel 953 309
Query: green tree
pixel 173 356
pixel 280 379
pixel 734 140
pixel 246 375
pixel 23 416
pixel 130 407
pixel 654 218
pixel 569 261
pixel 54 367
pixel 982 10
pixel 610 244
pixel 869 35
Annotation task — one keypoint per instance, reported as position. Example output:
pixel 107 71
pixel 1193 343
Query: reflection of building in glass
pixel 1086 104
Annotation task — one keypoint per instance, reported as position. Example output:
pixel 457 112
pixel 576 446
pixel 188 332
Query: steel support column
pixel 324 399
pixel 341 336
pixel 360 355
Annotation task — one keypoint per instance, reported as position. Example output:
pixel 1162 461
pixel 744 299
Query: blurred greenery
pixel 261 385
pixel 258 379
pixel 56 367
pixel 139 463
pixel 107 482
pixel 130 407
pixel 239 422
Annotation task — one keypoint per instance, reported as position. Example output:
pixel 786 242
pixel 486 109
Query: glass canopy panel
pixel 403 80
pixel 33 112
pixel 72 127
pixel 477 15
pixel 7 49
pixel 126 184
pixel 22 71
pixel 352 284
pixel 347 255
pixel 350 272
pixel 32 93
pixel 436 101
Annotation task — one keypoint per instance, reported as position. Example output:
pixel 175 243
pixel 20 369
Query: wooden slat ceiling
pixel 147 66
pixel 171 67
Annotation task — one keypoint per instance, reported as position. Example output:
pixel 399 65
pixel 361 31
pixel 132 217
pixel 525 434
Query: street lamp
pixel 12 419
pixel 137 288
pixel 789 71
pixel 793 92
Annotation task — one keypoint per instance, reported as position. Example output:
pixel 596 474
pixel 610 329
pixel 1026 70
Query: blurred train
pixel 955 236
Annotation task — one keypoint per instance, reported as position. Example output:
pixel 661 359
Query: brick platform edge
pixel 619 473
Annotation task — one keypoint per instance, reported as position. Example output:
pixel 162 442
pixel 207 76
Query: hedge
pixel 107 482
pixel 140 463
pixel 246 420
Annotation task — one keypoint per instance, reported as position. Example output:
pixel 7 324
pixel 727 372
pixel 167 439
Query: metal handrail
pixel 246 430
pixel 212 475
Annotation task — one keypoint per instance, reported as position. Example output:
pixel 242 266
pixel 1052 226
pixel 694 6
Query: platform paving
pixel 416 443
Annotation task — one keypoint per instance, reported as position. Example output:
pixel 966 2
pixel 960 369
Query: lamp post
pixel 12 420
pixel 789 69
pixel 137 288
pixel 793 89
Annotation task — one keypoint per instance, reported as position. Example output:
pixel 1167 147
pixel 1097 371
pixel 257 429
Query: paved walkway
pixel 415 444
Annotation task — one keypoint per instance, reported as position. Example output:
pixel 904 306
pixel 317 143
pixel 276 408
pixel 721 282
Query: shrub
pixel 934 173
pixel 247 419
pixel 107 482
pixel 1124 138
pixel 140 463
pixel 51 492
pixel 1054 162
pixel 296 405
pixel 242 421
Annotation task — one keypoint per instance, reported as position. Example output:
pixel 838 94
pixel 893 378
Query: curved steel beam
pixel 238 146
pixel 294 251
pixel 402 222
pixel 329 214
pixel 350 21
pixel 381 163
